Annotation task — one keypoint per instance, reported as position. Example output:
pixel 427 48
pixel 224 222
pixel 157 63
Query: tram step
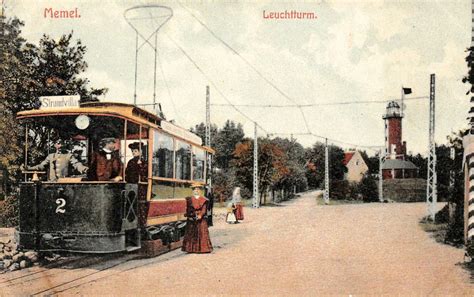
pixel 132 248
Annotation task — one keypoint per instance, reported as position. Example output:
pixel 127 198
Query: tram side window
pixel 163 153
pixel 182 190
pixel 183 160
pixel 162 190
pixel 199 157
pixel 168 190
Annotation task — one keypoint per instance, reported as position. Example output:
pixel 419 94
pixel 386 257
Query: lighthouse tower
pixel 394 147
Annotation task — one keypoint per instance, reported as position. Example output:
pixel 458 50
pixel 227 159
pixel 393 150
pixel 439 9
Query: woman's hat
pixel 135 146
pixel 196 185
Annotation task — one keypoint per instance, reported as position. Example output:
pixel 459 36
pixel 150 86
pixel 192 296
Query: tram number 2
pixel 61 204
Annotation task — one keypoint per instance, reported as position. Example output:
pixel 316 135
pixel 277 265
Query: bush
pixel 9 212
pixel 339 189
pixel 368 189
pixel 354 191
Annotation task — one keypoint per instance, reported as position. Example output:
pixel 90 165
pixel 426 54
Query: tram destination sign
pixel 59 101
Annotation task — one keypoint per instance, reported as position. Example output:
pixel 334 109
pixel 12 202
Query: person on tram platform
pixel 137 168
pixel 59 163
pixel 105 165
pixel 196 235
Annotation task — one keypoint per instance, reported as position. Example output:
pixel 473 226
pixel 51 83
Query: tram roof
pixel 128 111
pixel 124 110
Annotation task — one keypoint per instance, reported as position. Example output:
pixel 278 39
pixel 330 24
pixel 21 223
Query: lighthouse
pixel 394 147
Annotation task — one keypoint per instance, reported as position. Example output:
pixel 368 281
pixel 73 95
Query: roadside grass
pixel 223 204
pixel 320 201
pixel 436 230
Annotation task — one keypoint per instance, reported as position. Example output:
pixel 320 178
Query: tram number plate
pixel 61 204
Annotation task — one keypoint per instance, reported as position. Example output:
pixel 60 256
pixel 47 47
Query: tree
pixel 372 162
pixel 225 143
pixel 420 162
pixel 444 166
pixel 200 130
pixel 316 162
pixel 59 64
pixel 455 233
pixel 15 89
pixel 28 72
pixel 271 164
pixel 368 189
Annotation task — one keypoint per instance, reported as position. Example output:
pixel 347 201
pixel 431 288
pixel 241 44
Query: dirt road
pixel 296 249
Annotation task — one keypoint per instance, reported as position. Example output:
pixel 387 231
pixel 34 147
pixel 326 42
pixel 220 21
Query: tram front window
pixel 65 147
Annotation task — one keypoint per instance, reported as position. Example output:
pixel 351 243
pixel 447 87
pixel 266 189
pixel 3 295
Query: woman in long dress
pixel 196 235
pixel 239 207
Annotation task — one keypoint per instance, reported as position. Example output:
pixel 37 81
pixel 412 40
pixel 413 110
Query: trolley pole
pixel 326 174
pixel 431 185
pixel 381 159
pixel 136 69
pixel 256 200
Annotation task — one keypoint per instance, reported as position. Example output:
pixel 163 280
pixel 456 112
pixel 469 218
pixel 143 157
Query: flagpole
pixel 403 97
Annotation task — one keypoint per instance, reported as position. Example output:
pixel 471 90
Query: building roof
pixel 347 157
pixel 398 164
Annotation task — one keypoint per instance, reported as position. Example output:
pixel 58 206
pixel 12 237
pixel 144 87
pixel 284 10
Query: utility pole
pixel 208 117
pixel 431 185
pixel 208 136
pixel 256 200
pixel 326 173
pixel 381 159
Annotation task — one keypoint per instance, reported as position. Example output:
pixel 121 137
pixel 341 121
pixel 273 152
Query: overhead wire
pixel 247 62
pixel 319 104
pixel 295 104
pixel 213 84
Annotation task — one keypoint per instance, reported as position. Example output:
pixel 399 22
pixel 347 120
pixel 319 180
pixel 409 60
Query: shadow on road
pixel 469 267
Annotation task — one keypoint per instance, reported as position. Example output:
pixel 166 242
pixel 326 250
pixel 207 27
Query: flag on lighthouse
pixel 406 91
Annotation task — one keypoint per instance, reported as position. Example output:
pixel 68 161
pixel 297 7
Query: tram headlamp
pixel 82 122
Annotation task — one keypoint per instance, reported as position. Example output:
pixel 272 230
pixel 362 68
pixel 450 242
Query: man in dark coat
pixel 137 169
pixel 105 164
pixel 210 206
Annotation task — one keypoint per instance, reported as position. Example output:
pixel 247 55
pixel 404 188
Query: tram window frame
pixel 183 166
pixel 161 190
pixel 196 168
pixel 63 125
pixel 135 133
pixel 164 189
pixel 167 169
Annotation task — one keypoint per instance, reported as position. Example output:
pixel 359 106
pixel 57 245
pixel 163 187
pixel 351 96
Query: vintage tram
pixel 78 214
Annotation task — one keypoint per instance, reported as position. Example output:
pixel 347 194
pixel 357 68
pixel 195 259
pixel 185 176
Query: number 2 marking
pixel 61 203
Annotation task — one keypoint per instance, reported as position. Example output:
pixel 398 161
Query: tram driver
pixel 105 164
pixel 59 163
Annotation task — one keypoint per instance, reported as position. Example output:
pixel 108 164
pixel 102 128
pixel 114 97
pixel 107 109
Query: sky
pixel 352 51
